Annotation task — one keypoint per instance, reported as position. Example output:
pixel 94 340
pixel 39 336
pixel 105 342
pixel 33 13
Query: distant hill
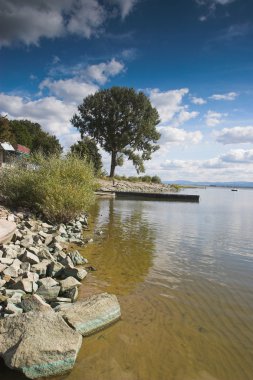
pixel 218 184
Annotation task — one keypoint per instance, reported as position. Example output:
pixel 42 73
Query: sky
pixel 192 58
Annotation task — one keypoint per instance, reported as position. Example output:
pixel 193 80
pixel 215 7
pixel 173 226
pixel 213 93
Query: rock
pixel 93 313
pixel 25 267
pixel 2 283
pixel 41 268
pixel 34 250
pixel 27 242
pixel 10 292
pixel 48 282
pixel 11 271
pixel 2 267
pixel 38 344
pixel 6 261
pixel 63 299
pixel 33 302
pixel 71 293
pixel 62 306
pixel 55 269
pixel 30 258
pixel 26 285
pixel 15 298
pixel 16 264
pixel 49 293
pixel 12 309
pixel 78 273
pixel 31 276
pixel 77 258
pixel 3 298
pixel 48 240
pixel 45 254
pixel 69 283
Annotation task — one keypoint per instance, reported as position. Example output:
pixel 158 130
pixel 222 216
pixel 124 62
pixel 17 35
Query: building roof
pixel 22 149
pixel 8 147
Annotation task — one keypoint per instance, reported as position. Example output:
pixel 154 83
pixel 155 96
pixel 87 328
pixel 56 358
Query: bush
pixel 59 188
pixel 156 179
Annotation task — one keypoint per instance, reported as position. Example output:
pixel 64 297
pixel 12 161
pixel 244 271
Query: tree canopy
pixel 87 148
pixel 123 122
pixel 29 134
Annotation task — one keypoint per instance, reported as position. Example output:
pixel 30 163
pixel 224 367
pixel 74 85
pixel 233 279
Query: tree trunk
pixel 113 164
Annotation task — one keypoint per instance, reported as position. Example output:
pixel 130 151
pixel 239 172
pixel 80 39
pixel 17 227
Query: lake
pixel 183 273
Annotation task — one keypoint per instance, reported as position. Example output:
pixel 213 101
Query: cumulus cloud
pixel 179 136
pixel 198 101
pixel 228 96
pixel 240 156
pixel 213 118
pixel 168 103
pixel 53 114
pixel 28 21
pixel 235 135
pixel 103 71
pixel 70 90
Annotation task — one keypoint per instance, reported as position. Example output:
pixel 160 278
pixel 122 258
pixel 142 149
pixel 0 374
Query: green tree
pixel 31 135
pixel 87 148
pixel 6 134
pixel 123 122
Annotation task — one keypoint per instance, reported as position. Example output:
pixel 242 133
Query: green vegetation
pixel 29 134
pixel 123 122
pixel 145 178
pixel 59 188
pixel 87 149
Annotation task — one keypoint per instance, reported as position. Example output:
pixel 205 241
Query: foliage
pixel 29 134
pixel 87 149
pixel 59 188
pixel 123 122
pixel 146 178
pixel 175 188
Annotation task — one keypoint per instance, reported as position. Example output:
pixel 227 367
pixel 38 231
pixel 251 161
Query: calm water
pixel 184 276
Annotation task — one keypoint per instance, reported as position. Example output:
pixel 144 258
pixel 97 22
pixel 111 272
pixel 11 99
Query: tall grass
pixel 59 188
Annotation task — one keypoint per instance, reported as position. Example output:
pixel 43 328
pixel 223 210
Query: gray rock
pixel 55 269
pixel 12 309
pixel 41 268
pixel 26 285
pixel 34 277
pixel 11 271
pixel 93 313
pixel 47 282
pixel 30 258
pixel 38 344
pixel 34 250
pixel 6 260
pixel 69 283
pixel 45 254
pixel 25 267
pixel 77 258
pixel 71 293
pixel 49 293
pixel 2 267
pixel 77 273
pixel 33 302
pixel 10 292
pixel 27 242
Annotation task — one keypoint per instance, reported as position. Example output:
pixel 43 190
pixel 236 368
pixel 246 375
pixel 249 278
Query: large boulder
pixel 93 313
pixel 38 344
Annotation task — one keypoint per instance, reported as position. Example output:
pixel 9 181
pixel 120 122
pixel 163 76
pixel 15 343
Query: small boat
pixel 234 189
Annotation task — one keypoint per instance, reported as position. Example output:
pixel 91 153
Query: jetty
pixel 138 195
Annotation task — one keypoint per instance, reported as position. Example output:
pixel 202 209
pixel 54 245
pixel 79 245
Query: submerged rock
pixel 93 313
pixel 38 344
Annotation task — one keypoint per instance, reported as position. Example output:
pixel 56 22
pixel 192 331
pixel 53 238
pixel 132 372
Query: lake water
pixel 183 273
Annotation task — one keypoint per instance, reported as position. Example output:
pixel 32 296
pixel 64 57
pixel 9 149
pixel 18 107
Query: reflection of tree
pixel 124 255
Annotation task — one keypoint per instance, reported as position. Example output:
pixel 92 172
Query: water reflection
pixel 124 255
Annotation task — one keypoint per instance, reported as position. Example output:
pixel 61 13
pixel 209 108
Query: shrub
pixel 156 179
pixel 59 188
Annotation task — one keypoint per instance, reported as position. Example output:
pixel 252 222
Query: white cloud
pixel 228 96
pixel 198 101
pixel 235 135
pixel 29 21
pixel 213 118
pixel 183 117
pixel 103 71
pixel 238 156
pixel 125 6
pixel 53 114
pixel 70 90
pixel 168 103
pixel 179 136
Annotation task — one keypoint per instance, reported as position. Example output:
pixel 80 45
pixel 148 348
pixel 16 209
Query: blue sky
pixel 193 58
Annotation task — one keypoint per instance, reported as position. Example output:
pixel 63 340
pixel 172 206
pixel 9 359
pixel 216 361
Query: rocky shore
pixel 41 324
pixel 106 185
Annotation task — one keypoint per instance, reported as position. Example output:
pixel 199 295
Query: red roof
pixel 22 149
